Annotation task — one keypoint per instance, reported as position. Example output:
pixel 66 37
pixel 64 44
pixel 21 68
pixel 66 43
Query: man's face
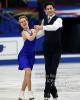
pixel 50 10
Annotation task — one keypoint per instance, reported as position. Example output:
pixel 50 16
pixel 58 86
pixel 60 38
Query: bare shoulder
pixel 23 32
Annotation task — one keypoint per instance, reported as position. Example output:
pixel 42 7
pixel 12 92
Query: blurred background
pixel 10 37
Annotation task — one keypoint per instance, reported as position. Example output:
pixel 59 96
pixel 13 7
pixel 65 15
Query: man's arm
pixel 53 27
pixel 40 32
pixel 56 25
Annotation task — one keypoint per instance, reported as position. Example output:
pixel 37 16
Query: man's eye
pixel 49 8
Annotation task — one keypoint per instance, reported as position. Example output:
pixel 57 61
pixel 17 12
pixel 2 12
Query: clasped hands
pixel 38 27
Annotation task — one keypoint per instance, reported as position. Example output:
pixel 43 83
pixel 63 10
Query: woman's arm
pixel 31 37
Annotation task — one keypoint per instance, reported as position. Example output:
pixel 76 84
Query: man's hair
pixel 48 3
pixel 23 16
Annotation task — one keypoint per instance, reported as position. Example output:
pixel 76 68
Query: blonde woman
pixel 26 56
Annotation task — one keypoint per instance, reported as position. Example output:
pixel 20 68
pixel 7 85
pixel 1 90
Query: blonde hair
pixel 23 16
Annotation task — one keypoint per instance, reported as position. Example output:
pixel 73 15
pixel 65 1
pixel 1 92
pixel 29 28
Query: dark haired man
pixel 51 25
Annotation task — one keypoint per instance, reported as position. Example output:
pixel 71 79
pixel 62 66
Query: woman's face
pixel 24 23
pixel 50 10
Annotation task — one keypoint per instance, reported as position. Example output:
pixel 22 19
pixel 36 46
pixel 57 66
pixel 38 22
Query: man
pixel 51 48
pixel 40 8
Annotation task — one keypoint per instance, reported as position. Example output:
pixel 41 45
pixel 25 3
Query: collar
pixel 50 17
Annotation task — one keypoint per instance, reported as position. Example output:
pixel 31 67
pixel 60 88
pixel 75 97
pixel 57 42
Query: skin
pixel 50 10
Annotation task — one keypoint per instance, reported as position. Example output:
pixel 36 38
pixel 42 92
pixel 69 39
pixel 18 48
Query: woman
pixel 26 56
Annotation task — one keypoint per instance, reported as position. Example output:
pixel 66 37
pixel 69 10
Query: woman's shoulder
pixel 24 31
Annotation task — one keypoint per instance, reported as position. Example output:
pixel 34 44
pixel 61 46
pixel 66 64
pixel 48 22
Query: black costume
pixel 52 54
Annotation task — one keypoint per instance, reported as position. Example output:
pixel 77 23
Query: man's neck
pixel 51 15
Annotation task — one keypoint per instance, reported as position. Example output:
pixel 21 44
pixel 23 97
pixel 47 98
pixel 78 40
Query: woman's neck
pixel 26 29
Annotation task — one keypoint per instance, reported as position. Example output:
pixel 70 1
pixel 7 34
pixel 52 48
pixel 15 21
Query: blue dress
pixel 26 57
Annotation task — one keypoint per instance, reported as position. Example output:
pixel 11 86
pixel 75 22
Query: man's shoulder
pixel 57 17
